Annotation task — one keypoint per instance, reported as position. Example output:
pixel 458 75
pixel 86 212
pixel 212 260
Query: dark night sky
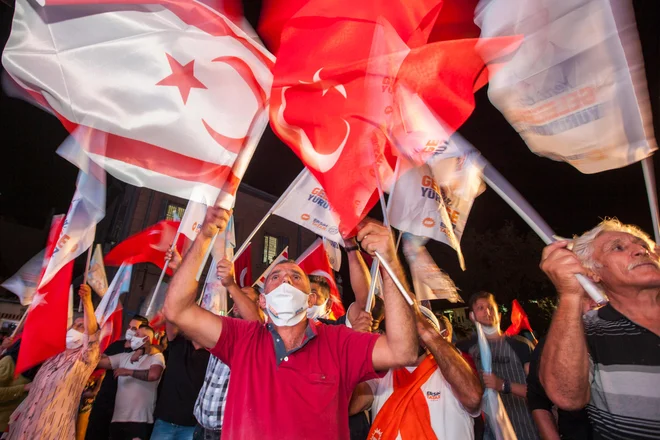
pixel 34 180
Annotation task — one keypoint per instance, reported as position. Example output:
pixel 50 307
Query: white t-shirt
pixel 449 419
pixel 136 399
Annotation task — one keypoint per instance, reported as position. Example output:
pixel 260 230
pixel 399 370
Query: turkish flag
pixel 148 246
pixel 169 95
pixel 243 267
pixel 339 110
pixel 519 320
pixel 409 17
pixel 314 261
pixel 44 332
pixel 111 330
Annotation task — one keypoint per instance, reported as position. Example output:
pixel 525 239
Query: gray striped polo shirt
pixel 509 357
pixel 624 375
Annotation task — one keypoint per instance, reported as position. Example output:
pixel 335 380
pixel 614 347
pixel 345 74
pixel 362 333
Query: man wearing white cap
pixel 435 398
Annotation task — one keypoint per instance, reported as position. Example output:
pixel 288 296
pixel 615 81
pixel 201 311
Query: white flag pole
pixel 89 259
pixel 162 272
pixel 513 198
pixel 652 192
pixel 206 257
pixel 283 197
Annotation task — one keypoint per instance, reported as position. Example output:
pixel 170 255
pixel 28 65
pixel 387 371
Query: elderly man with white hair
pixel 610 360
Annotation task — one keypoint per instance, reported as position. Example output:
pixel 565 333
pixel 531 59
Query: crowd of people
pixel 279 369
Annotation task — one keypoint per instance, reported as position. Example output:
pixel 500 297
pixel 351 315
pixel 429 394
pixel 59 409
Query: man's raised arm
pixel 564 370
pixel 180 307
pixel 398 347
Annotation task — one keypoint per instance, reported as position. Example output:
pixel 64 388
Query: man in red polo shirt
pixel 291 379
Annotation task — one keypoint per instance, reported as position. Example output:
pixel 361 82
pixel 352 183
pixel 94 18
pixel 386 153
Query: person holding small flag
pixel 50 410
pixel 290 377
pixel 510 363
pixel 435 397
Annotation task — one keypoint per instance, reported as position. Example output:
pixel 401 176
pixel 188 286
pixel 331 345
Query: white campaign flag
pixel 259 284
pixel 96 277
pixel 434 200
pixel 167 95
pixel 192 220
pixel 306 204
pixel 491 404
pixel 333 252
pixel 214 294
pixel 429 281
pixel 86 210
pixel 23 283
pixel 120 283
pixel 575 90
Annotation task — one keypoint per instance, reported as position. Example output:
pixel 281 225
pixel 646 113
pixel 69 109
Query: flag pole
pixel 651 191
pixel 392 275
pixel 162 272
pixel 276 205
pixel 206 257
pixel 375 267
pixel 89 259
pixel 20 323
pixel 513 198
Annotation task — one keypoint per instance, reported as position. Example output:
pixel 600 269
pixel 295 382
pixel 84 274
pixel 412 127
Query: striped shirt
pixel 625 377
pixel 509 357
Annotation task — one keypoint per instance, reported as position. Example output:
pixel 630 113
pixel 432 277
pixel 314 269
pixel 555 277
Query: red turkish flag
pixel 243 267
pixel 148 246
pixel 314 261
pixel 111 329
pixel 336 109
pixel 413 18
pixel 44 332
pixel 519 320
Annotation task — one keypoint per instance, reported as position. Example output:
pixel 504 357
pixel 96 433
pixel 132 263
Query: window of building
pixel 270 248
pixel 174 211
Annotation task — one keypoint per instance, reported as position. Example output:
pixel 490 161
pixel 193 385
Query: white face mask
pixel 137 342
pixel 490 330
pixel 286 305
pixel 74 339
pixel 129 334
pixel 318 311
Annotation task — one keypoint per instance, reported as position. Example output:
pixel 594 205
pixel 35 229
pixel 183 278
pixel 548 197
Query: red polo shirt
pixel 302 394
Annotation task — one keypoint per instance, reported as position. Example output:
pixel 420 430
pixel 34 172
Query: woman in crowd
pixel 51 408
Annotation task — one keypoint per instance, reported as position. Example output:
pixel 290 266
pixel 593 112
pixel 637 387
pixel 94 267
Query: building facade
pixel 140 208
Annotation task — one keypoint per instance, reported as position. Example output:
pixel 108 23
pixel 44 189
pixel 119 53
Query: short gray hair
pixel 583 244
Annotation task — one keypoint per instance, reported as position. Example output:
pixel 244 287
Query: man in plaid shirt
pixel 210 405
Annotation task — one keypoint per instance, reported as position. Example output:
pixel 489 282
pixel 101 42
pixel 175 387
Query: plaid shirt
pixel 210 404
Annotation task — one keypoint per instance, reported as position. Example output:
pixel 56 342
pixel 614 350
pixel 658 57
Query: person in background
pixel 607 360
pixel 51 408
pixel 436 397
pixel 12 389
pixel 212 398
pixel 138 376
pixel 104 398
pixel 510 363
pixel 186 365
pixel 86 401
